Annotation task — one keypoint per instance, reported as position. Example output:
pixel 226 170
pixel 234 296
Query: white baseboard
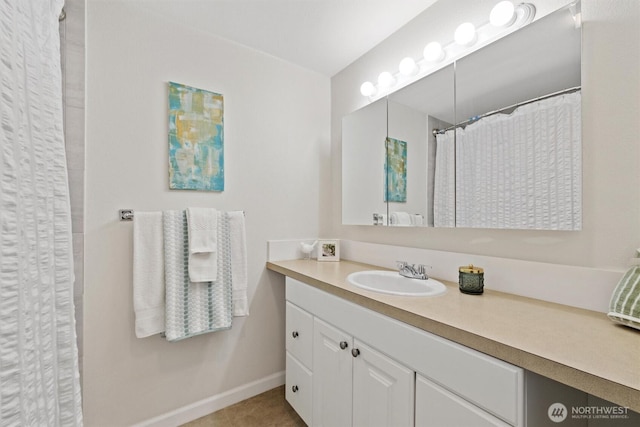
pixel 211 404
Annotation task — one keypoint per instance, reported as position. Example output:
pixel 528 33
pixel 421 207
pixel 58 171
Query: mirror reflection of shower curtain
pixel 444 195
pixel 521 170
pixel 39 379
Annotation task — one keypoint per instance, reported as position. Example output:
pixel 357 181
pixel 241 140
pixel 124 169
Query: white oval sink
pixel 391 282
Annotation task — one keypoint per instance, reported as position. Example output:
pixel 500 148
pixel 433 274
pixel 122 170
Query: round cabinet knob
pixel 294 388
pixel 294 334
pixel 355 352
pixel 343 345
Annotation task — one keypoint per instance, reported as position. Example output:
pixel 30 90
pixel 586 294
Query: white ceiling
pixel 321 35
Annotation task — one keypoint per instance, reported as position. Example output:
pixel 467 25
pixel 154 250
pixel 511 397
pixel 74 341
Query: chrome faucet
pixel 411 270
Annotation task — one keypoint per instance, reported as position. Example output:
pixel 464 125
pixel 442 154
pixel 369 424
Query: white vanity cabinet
pixel 368 369
pixel 357 385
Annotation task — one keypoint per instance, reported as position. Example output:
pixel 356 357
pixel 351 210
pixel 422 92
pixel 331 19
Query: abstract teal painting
pixel 395 171
pixel 196 139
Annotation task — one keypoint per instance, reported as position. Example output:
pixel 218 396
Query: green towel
pixel 625 302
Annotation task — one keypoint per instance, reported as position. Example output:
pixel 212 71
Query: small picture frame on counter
pixel 328 250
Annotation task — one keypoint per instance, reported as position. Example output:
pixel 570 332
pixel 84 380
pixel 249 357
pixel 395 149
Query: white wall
pixel 276 156
pixel 611 125
pixel 410 126
pixel 364 182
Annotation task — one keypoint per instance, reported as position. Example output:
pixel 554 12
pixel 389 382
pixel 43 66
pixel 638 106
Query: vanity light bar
pixel 504 19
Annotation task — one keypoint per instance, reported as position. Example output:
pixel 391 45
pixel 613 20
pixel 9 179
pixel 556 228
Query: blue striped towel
pixel 195 308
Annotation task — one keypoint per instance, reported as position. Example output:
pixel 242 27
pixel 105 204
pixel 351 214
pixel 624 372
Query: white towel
pixel 400 218
pixel 202 224
pixel 417 220
pixel 239 263
pixel 148 274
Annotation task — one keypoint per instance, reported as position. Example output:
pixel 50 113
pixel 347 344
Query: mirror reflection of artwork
pixel 396 171
pixel 196 139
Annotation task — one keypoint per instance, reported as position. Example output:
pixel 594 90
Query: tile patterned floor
pixel 269 409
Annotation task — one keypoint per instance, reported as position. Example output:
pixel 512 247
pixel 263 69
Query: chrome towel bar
pixel 127 214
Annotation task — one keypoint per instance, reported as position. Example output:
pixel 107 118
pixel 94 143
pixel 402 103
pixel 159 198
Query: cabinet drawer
pixel 494 385
pixel 298 388
pixel 299 334
pixel 438 407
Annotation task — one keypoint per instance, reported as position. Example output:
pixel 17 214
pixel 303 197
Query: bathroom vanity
pixel 356 357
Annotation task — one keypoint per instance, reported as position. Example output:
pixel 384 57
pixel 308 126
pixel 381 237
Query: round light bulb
pixel 503 14
pixel 433 52
pixel 525 12
pixel 465 34
pixel 408 67
pixel 385 80
pixel 367 89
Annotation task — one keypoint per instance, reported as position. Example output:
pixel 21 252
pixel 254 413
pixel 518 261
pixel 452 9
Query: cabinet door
pixel 382 390
pixel 438 407
pixel 332 371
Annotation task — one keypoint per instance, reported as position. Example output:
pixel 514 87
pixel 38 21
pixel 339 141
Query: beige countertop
pixel 577 347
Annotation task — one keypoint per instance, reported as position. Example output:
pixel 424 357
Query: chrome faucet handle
pixel 422 271
pixel 413 271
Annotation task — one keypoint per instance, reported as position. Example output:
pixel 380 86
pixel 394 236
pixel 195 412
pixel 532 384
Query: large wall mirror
pixel 492 141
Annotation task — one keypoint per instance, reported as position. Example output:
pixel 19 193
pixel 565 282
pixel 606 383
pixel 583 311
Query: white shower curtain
pixel 444 194
pixel 39 380
pixel 521 170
